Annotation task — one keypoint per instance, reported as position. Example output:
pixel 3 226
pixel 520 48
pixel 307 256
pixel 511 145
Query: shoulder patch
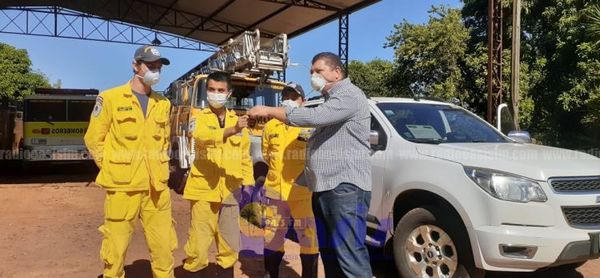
pixel 97 107
pixel 192 125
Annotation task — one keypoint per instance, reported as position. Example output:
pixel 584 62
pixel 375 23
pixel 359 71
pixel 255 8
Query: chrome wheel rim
pixel 431 252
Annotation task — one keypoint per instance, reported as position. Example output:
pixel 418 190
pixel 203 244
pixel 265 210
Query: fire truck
pixel 54 123
pixel 254 64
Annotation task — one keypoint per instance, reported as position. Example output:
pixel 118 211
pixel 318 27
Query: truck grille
pixel 574 185
pixel 582 217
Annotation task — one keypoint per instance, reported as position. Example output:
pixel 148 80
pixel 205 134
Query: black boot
pixel 272 262
pixel 225 272
pixel 310 265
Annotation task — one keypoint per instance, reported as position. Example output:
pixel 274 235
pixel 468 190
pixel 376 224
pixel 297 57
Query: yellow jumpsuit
pixel 213 187
pixel 130 149
pixel 284 149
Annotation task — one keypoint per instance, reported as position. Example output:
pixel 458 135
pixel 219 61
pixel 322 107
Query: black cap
pixel 148 53
pixel 295 88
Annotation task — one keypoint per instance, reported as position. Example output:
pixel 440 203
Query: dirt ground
pixel 49 224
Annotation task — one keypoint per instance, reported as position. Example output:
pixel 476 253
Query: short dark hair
pixel 331 60
pixel 288 90
pixel 220 76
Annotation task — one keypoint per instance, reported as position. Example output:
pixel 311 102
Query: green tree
pixel 16 76
pixel 373 77
pixel 593 102
pixel 560 61
pixel 429 58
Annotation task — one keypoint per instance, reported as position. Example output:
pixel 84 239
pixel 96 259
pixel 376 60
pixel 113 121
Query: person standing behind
pixel 128 137
pixel 338 168
pixel 283 149
pixel 222 169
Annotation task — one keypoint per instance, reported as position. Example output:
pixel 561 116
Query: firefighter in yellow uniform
pixel 222 168
pixel 128 137
pixel 284 149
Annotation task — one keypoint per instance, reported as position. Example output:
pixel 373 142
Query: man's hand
pixel 241 123
pixel 259 112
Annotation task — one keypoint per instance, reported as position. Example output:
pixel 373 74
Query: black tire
pixel 444 225
pixel 568 267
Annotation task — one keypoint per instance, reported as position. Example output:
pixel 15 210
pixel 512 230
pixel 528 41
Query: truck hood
pixel 527 160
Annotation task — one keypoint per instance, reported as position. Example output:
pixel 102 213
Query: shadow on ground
pixel 383 266
pixel 538 274
pixel 16 172
pixel 252 265
pixel 143 269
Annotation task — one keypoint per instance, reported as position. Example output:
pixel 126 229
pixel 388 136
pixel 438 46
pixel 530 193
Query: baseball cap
pixel 295 87
pixel 148 53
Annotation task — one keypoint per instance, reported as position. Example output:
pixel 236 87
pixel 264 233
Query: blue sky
pixel 88 64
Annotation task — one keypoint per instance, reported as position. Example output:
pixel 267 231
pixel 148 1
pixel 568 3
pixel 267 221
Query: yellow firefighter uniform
pixel 130 149
pixel 284 149
pixel 219 170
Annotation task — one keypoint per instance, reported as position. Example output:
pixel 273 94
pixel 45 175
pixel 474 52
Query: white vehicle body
pixel 503 235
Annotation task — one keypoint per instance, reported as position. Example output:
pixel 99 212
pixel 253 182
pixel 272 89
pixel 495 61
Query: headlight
pixel 505 186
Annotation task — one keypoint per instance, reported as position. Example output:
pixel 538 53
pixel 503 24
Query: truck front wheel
pixel 430 243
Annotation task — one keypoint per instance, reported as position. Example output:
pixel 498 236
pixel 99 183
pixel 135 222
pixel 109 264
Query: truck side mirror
pixel 374 137
pixel 520 136
pixel 374 141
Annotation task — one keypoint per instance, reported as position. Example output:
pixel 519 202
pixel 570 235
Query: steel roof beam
pixel 211 16
pixel 58 22
pixel 253 25
pixel 306 4
pixel 159 19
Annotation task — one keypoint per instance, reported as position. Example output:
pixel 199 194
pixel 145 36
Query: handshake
pixel 257 114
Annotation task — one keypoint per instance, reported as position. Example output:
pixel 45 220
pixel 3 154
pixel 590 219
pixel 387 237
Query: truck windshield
pixel 58 110
pixel 436 124
pixel 80 110
pixel 45 110
pixel 243 96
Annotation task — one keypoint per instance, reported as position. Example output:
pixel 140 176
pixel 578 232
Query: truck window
pixel 242 97
pixel 45 110
pixel 80 110
pixel 427 123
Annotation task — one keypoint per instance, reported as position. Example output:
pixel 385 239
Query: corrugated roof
pixel 213 21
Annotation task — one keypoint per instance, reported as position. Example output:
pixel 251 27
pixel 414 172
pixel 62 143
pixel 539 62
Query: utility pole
pixel 494 70
pixel 516 61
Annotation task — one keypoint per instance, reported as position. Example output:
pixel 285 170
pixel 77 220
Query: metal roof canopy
pixel 211 21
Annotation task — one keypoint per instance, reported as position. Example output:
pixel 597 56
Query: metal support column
pixel 516 61
pixel 494 80
pixel 344 26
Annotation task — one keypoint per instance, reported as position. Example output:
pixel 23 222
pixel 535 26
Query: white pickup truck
pixel 454 197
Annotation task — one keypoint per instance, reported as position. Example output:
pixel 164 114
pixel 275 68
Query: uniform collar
pixel 128 91
pixel 277 122
pixel 228 113
pixel 153 98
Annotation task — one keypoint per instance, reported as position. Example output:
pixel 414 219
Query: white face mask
pixel 317 82
pixel 290 103
pixel 217 100
pixel 150 78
